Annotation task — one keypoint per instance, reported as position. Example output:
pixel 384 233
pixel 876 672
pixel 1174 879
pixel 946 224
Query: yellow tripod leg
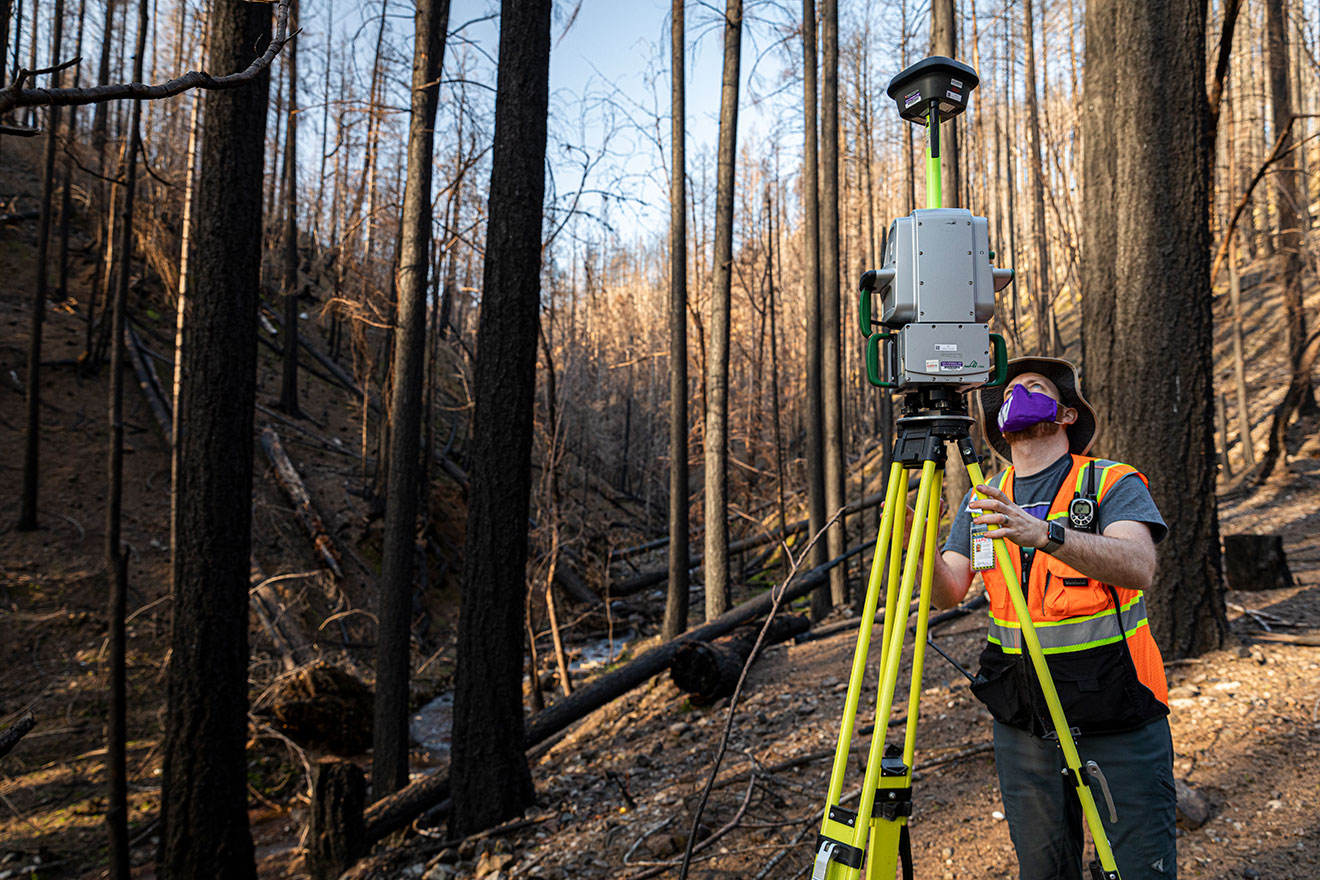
pixel 835 823
pixel 889 673
pixel 895 568
pixel 1032 644
pixel 894 792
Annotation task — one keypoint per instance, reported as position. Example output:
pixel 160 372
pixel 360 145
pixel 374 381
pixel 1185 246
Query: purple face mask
pixel 1023 408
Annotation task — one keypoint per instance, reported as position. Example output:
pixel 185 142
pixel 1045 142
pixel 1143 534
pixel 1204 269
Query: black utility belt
pixel 1098 689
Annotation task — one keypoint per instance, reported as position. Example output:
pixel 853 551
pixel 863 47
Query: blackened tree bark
pixel 1040 268
pixel 717 362
pixel 389 761
pixel 489 777
pixel 116 563
pixel 676 603
pixel 831 389
pixel 1288 240
pixel 821 600
pixel 1144 209
pixel 204 791
pixel 289 383
pixel 27 511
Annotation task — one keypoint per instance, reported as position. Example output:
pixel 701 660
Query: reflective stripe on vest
pixel 1075 633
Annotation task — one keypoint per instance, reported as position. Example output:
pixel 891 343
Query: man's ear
pixel 1068 416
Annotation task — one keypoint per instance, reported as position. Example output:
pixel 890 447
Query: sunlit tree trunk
pixel 1144 73
pixel 717 368
pixel 676 602
pixel 821 599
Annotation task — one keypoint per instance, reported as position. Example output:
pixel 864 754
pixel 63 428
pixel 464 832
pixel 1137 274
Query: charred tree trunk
pixel 389 770
pixel 204 790
pixel 717 366
pixel 1145 72
pixel 27 512
pixel 116 563
pixel 490 779
pixel 821 600
pixel 1289 238
pixel 831 388
pixel 289 381
pixel 1040 264
pixel 676 602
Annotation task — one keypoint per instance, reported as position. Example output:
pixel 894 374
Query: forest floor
pixel 616 795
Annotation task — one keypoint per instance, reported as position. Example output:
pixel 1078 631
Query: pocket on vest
pixel 1000 686
pixel 1100 692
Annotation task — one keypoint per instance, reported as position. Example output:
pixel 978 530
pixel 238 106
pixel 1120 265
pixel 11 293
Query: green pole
pixel 934 185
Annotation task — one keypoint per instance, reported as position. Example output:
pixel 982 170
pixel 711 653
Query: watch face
pixel 1081 513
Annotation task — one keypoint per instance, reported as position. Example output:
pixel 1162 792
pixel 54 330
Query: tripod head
pixel 936 283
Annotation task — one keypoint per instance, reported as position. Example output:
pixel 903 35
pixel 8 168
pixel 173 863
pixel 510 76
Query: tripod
pixel 877 830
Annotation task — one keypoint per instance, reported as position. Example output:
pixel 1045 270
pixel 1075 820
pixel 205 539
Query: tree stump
pixel 335 838
pixel 1256 562
pixel 710 670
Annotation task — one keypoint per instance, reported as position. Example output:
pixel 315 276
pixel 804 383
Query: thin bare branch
pixel 14 95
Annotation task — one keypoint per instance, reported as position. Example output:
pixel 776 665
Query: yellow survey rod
pixel 893 652
pixel 895 505
pixel 1032 641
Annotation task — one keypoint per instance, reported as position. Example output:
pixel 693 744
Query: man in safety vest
pixel 1081 534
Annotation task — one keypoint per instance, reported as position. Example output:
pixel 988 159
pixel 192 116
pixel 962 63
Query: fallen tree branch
pixel 14 95
pixel 287 477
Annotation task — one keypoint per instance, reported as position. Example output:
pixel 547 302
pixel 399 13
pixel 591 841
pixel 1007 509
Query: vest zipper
pixel 1045 591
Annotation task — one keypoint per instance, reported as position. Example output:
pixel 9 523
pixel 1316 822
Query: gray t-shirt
pixel 1128 499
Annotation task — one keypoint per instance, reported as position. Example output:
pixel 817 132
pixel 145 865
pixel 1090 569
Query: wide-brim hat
pixel 1081 433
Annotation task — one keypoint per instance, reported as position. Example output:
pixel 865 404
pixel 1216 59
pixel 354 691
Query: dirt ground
pixel 616 794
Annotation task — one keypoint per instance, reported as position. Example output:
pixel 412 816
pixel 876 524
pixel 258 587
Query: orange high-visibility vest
pixel 1074 613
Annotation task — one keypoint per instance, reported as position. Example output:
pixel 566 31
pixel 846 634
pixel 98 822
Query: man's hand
pixel 1015 524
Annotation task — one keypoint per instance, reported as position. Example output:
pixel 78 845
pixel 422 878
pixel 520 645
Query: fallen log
pixel 149 382
pixel 394 812
pixel 660 575
pixel 287 476
pixel 574 587
pixel 284 632
pixel 710 670
pixel 10 736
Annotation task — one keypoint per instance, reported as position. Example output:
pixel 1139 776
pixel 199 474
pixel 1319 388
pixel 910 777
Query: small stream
pixel 430 725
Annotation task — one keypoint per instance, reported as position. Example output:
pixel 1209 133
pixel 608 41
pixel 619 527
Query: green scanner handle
pixel 872 280
pixel 999 349
pixel 873 358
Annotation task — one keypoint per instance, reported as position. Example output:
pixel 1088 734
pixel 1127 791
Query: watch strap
pixel 1054 533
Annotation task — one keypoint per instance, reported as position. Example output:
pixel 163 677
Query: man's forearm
pixel 1118 561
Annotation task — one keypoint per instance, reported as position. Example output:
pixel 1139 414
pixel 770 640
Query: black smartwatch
pixel 1056 533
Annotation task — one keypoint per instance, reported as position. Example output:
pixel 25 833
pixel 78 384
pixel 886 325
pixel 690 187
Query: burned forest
pixel 525 439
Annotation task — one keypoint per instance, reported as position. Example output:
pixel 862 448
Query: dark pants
pixel 1045 819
